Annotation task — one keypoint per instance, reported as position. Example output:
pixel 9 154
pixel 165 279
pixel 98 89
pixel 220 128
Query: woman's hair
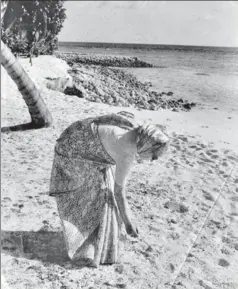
pixel 150 137
pixel 127 114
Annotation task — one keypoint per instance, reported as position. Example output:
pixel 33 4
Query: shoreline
pixel 215 126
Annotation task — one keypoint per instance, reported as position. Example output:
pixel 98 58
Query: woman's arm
pixel 121 146
pixel 122 171
pixel 124 210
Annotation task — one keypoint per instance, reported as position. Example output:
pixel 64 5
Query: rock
pixel 74 91
pixel 188 105
pixel 59 83
pixel 223 263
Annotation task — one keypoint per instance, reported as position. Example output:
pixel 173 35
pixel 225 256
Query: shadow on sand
pixel 42 245
pixel 45 246
pixel 22 127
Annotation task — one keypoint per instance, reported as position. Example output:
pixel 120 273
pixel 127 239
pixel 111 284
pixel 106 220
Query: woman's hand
pixel 132 230
pixel 124 210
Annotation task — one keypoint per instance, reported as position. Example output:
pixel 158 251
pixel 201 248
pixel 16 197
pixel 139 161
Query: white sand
pixel 174 200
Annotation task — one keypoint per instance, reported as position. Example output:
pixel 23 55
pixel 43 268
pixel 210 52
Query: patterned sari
pixel 82 181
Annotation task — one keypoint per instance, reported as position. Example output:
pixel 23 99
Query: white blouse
pixel 120 144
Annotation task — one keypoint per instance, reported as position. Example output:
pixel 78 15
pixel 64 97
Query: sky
pixel 209 23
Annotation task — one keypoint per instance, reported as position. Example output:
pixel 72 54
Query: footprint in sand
pixel 224 174
pixel 232 158
pixel 189 163
pixel 225 251
pixel 174 235
pixel 208 196
pixel 204 284
pixel 193 147
pixel 214 156
pixel 12 243
pixel 6 199
pixel 5 202
pixel 211 157
pixel 171 267
pixel 207 160
pixel 210 171
pixel 226 240
pixel 183 138
pixel 174 206
pixel 224 164
pixel 213 153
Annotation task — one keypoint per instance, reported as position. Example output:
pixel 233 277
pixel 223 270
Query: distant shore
pixel 103 60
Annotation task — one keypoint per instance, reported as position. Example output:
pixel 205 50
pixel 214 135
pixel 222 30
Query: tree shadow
pixel 24 126
pixel 41 245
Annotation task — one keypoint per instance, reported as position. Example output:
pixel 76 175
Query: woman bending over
pixel 89 192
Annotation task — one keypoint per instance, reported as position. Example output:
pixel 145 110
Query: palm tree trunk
pixel 40 115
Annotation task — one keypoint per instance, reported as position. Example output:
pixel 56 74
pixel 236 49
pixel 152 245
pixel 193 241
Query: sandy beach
pixel 185 204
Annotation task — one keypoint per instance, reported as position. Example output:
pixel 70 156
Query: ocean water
pixel 206 75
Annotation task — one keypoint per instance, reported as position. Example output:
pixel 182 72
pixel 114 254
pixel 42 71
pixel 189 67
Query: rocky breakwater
pixel 114 86
pixel 102 60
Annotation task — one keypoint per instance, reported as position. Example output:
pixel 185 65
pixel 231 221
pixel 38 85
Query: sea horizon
pixel 147 46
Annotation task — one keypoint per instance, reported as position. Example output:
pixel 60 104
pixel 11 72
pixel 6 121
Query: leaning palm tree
pixel 40 115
